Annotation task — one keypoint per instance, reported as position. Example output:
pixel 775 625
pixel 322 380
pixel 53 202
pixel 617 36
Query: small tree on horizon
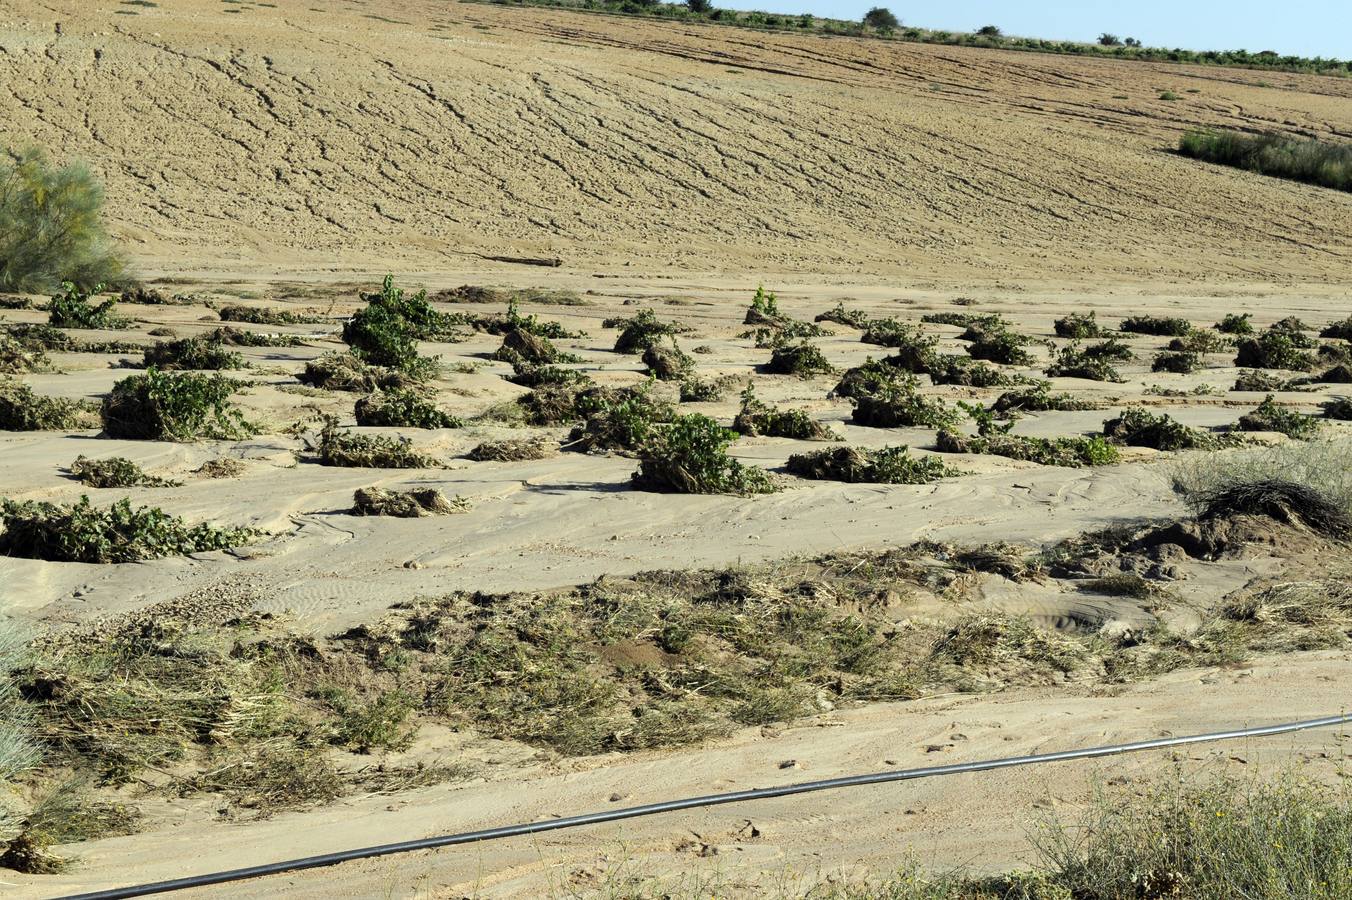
pixel 880 18
pixel 699 6
pixel 1109 40
pixel 989 31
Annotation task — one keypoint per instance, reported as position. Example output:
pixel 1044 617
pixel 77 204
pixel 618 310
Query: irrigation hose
pixel 649 809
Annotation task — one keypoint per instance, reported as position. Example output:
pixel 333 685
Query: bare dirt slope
pixel 328 135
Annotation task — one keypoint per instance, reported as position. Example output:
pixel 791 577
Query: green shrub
pixel 192 353
pixel 900 403
pixel 1071 452
pixel 689 456
pixel 640 332
pixel 71 309
pixel 1269 416
pixel 1039 398
pixel 34 337
pixel 1072 362
pixel 119 533
pixel 1156 325
pixel 386 331
pixel 114 472
pixel 532 375
pixel 403 407
pixel 51 227
pixel 867 379
pixel 1340 329
pixel 173 406
pixel 965 319
pixel 902 335
pixel 1273 349
pixel 997 344
pixel 23 410
pixel 858 465
pixel 349 372
pixel 1324 163
pixel 1180 362
pixel 1111 349
pixel 1138 427
pixel 764 308
pixel 704 390
pixel 1199 341
pixel 260 315
pixel 1079 326
pixel 1236 324
pixel 619 420
pixel 960 370
pixel 802 360
pixel 757 418
pixel 368 451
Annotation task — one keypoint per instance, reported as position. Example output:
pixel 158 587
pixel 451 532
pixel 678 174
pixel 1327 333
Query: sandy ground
pixel 287 154
pixel 420 135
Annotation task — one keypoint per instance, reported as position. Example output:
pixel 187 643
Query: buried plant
pixel 18 356
pixel 1199 341
pixel 1236 324
pixel 689 456
pixel 885 465
pixel 349 372
pixel 374 501
pixel 1039 398
pixel 531 375
pixel 1341 329
pixel 258 315
pixel 114 472
pixel 803 360
pixel 1138 427
pixel 996 344
pixel 705 390
pixel 1079 326
pixel 116 534
pixel 403 407
pixel 1180 362
pixel 1073 362
pixel 668 363
pixel 369 451
pixel 192 353
pixel 961 370
pixel 641 332
pixel 1260 382
pixel 1273 349
pixel 1156 325
pixel 757 418
pixel 173 406
pixel 514 450
pixel 900 403
pixel 854 318
pixel 1269 416
pixel 23 410
pixel 1339 408
pixel 1070 452
pixel 240 337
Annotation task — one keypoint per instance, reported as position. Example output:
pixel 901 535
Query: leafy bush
pixel 757 418
pixel 900 403
pixel 764 308
pixel 1324 163
pixel 71 309
pixel 403 407
pixel 23 410
pixel 1072 362
pixel 903 335
pixel 349 372
pixel 192 353
pixel 1236 324
pixel 1269 416
pixel 239 337
pixel 689 456
pixel 960 370
pixel 173 406
pixel 532 375
pixel 1079 326
pixel 640 332
pixel 997 344
pixel 704 390
pixel 18 357
pixel 867 379
pixel 1199 341
pixel 368 451
pixel 618 420
pixel 1180 362
pixel 119 533
pixel 1071 452
pixel 1111 349
pixel 879 18
pixel 802 360
pixel 51 227
pixel 1273 349
pixel 858 465
pixel 1138 427
pixel 386 331
pixel 114 472
pixel 1156 325
pixel 964 319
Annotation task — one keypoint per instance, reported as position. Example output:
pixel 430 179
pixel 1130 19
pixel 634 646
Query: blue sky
pixel 1303 27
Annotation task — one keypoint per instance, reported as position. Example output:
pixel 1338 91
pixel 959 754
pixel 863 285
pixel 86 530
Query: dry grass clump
pixel 260 315
pixel 757 418
pixel 348 372
pixel 668 363
pixel 900 403
pixel 23 410
pixel 860 465
pixel 368 451
pixel 114 472
pixel 403 408
pixel 1156 325
pixel 1269 416
pixel 997 647
pixel 803 360
pixel 854 318
pixel 173 406
pixel 1138 427
pixel 1258 381
pixel 514 450
pixel 192 353
pixel 1079 326
pixel 18 357
pixel 221 467
pixel 688 455
pixel 119 533
pixel 374 501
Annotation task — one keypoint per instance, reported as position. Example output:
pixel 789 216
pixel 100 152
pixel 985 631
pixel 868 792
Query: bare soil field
pixel 969 511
